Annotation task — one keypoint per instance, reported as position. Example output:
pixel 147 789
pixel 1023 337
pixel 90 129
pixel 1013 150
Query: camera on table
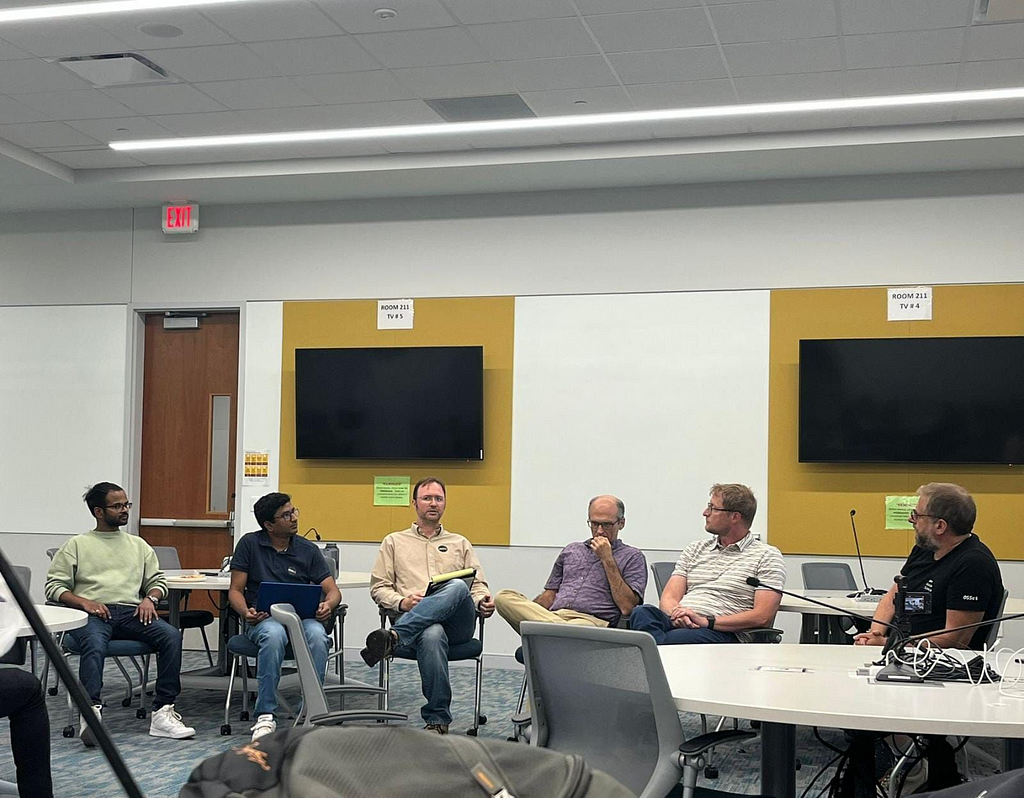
pixel 913 603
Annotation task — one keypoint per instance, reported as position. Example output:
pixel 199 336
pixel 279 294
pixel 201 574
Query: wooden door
pixel 189 419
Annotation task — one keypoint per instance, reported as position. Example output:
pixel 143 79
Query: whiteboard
pixel 62 411
pixel 651 397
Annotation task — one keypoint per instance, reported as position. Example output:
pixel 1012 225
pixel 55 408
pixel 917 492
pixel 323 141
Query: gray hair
pixel 618 503
pixel 952 504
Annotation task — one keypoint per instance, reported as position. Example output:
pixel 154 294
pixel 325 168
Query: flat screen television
pixel 912 400
pixel 390 403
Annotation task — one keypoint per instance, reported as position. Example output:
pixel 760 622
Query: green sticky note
pixel 897 511
pixel 391 491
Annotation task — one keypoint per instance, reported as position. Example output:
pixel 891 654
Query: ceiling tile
pixel 121 129
pixel 993 74
pixel 915 115
pixel 574 72
pixel 93 159
pixel 9 52
pixel 881 16
pixel 786 19
pixel 544 38
pixel 1005 109
pixel 600 133
pixel 269 20
pixel 44 134
pixel 354 87
pixel 435 47
pixel 339 149
pixel 357 16
pixel 316 56
pixel 64 105
pixel 828 120
pixel 211 124
pixel 777 88
pixel 652 30
pixel 325 117
pixel 13 112
pixel 175 98
pixel 608 99
pixel 614 6
pixel 219 62
pixel 906 48
pixel 901 80
pixel 700 128
pixel 662 66
pixel 257 93
pixel 213 155
pixel 61 37
pixel 994 42
pixel 688 94
pixel 35 75
pixel 779 58
pixel 431 144
pixel 458 80
pixel 476 12
pixel 196 30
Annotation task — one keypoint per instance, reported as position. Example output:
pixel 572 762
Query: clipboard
pixel 466 574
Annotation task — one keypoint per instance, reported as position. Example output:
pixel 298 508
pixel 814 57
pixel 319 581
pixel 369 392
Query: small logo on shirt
pixel 970 598
pixel 442 548
pixel 292 571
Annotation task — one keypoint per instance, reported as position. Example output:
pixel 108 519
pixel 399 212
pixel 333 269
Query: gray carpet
pixel 161 766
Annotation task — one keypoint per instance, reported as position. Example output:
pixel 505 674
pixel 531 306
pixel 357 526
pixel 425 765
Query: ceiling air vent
pixel 114 69
pixel 999 11
pixel 481 109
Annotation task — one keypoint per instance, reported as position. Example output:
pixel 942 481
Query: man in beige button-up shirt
pixel 407 561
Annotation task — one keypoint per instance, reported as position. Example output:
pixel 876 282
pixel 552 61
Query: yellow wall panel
pixel 809 503
pixel 336 496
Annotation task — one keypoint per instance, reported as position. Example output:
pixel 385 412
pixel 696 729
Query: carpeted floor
pixel 161 766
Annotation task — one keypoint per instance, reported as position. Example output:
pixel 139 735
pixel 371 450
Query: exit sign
pixel 181 218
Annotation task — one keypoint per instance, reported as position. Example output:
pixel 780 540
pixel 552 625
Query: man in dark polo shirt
pixel 276 554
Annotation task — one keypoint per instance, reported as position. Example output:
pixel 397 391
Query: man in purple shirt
pixel 593 582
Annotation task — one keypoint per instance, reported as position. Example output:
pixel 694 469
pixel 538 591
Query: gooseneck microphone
pixel 867 591
pixel 313 530
pixel 990 621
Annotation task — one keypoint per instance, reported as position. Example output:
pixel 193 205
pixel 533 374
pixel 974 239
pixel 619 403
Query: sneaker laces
pixel 172 716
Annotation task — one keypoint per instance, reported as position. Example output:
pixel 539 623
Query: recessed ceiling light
pixel 160 30
pixel 852 104
pixel 90 9
pixel 385 13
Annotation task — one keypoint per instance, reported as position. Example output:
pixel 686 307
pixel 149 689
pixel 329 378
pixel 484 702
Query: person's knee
pixel 316 636
pixel 166 635
pixel 506 597
pixel 640 615
pixel 433 638
pixel 458 587
pixel 271 636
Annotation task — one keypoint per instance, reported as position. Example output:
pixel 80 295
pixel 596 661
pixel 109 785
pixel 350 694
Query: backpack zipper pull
pixel 489 783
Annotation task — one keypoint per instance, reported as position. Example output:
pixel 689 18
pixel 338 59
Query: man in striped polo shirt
pixel 707 599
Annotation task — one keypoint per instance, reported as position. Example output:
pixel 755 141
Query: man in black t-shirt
pixel 952 564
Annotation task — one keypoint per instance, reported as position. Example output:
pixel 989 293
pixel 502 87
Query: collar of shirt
pixel 263 538
pixel 739 545
pixel 415 529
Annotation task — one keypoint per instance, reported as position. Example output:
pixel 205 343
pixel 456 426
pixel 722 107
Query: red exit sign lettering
pixel 181 218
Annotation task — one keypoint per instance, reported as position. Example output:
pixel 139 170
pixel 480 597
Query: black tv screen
pixel 912 400
pixel 406 403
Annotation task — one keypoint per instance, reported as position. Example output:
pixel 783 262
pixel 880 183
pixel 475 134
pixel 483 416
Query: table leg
pixel 1013 754
pixel 778 760
pixel 174 607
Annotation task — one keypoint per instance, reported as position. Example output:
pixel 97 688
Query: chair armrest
pixel 355 715
pixel 765 635
pixel 698 745
pixel 353 688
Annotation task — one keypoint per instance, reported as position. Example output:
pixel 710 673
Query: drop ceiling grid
pixel 243 69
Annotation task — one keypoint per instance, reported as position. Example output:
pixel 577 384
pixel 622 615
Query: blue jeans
pixel 123 625
pixel 445 617
pixel 650 619
pixel 271 638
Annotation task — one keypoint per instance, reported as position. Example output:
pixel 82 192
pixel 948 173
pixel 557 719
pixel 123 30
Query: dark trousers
pixel 650 619
pixel 21 700
pixel 123 625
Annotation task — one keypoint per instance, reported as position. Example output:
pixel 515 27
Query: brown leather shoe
pixel 380 644
pixel 439 728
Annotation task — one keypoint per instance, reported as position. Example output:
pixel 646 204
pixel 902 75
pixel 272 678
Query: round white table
pixel 57 619
pixel 726 680
pixel 849 606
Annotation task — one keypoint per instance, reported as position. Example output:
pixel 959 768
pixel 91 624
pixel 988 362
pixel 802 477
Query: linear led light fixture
pixel 569 122
pixel 90 9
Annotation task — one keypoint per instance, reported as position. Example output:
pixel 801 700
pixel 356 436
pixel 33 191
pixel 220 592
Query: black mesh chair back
pixel 828 576
pixel 993 631
pixel 661 571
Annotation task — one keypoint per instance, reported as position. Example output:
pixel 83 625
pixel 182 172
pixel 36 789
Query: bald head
pixel 606 515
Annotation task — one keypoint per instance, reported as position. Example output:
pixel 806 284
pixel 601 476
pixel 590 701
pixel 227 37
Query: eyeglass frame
pixel 607 526
pixel 119 506
pixel 914 515
pixel 714 509
pixel 291 515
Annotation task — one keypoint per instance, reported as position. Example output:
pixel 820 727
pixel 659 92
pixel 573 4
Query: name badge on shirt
pixel 292 571
pixel 442 548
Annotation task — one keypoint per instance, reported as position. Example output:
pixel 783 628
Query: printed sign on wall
pixel 910 304
pixel 394 314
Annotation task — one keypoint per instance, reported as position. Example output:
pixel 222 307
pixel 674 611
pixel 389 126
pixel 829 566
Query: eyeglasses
pixel 291 515
pixel 714 509
pixel 438 499
pixel 914 515
pixel 607 526
pixel 119 506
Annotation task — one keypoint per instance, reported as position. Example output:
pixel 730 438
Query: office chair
pixel 472 649
pixel 167 557
pixel 838 629
pixel 602 694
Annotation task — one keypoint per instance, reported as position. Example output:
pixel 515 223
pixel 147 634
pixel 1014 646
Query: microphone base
pixel 871 591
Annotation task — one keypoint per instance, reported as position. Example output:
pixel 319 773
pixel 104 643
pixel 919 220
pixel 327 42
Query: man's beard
pixel 925 542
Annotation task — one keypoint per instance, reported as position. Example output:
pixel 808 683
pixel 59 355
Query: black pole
pixel 60 665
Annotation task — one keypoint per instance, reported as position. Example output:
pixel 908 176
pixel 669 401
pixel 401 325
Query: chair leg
pixel 140 713
pixel 385 680
pixel 477 717
pixel 225 728
pixel 245 689
pixel 206 642
pixel 129 690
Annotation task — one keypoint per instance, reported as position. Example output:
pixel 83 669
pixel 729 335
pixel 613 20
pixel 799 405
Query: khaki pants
pixel 516 608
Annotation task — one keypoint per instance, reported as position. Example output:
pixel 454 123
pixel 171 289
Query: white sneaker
pixel 88 738
pixel 265 724
pixel 167 723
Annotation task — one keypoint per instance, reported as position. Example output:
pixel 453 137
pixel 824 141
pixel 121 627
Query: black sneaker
pixel 380 644
pixel 437 728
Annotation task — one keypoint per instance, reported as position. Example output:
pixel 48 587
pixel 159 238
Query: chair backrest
pixel 827 576
pixel 24 576
pixel 661 571
pixel 51 552
pixel 313 696
pixel 603 694
pixel 167 557
pixel 993 631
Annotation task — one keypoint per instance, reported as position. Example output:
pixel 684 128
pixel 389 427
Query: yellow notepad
pixel 468 574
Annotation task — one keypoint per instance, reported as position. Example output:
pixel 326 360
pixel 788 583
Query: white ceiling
pixel 273 65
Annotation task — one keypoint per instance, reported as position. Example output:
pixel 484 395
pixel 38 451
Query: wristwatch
pixel 711 622
pixel 155 601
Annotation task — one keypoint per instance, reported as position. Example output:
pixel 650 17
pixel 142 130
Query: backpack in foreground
pixel 383 761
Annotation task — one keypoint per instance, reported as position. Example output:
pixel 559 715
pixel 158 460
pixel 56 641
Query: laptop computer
pixel 304 598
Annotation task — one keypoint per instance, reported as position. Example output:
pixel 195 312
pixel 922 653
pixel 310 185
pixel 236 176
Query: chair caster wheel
pixel 512 739
pixel 51 691
pixel 710 772
pixel 797 767
pixel 68 731
pixel 243 716
pixel 126 702
pixel 482 720
pixel 225 730
pixel 472 732
pixel 755 725
pixel 140 714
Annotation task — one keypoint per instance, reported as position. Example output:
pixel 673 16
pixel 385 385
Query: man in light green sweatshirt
pixel 116 579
